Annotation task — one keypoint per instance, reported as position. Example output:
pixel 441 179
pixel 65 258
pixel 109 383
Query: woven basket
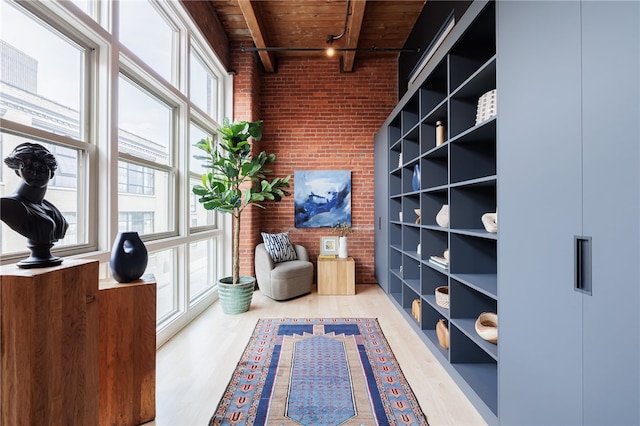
pixel 442 296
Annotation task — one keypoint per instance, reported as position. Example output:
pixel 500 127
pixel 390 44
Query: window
pixel 57 88
pixel 140 222
pixel 203 85
pixel 42 74
pixel 134 179
pixel 151 42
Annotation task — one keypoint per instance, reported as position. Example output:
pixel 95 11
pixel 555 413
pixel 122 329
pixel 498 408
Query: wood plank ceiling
pixel 302 24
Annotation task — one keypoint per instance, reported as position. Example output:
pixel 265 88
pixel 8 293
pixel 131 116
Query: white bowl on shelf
pixel 487 326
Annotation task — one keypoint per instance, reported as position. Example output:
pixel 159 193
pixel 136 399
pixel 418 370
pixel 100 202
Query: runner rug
pixel 317 372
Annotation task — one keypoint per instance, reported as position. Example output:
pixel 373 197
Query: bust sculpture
pixel 26 211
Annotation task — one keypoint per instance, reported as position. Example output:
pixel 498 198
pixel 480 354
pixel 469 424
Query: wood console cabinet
pixel 127 351
pixel 49 323
pixel 336 276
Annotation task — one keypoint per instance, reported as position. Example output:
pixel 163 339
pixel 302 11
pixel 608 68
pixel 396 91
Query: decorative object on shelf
pixel 417 212
pixel 446 254
pixel 442 218
pixel 415 180
pixel 490 222
pixel 419 249
pixel 442 331
pixel 487 326
pixel 439 261
pixel 440 130
pixel 442 296
pixel 400 216
pixel 329 246
pixel 129 257
pixel 342 229
pixel 400 160
pixel 322 198
pixel 487 106
pixel 27 212
pixel 401 270
pixel 415 309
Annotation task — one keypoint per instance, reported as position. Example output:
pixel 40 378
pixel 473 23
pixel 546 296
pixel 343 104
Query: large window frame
pixel 97 175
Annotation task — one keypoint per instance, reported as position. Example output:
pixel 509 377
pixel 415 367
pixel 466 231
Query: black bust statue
pixel 26 211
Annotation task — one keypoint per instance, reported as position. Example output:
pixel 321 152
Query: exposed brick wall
pixel 246 106
pixel 319 119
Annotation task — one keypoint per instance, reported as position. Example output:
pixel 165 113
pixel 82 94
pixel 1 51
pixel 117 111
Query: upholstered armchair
pixel 283 280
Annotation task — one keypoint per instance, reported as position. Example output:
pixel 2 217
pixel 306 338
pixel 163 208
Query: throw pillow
pixel 279 247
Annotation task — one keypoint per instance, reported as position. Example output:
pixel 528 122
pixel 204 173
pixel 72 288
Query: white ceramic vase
pixel 342 248
pixel 442 218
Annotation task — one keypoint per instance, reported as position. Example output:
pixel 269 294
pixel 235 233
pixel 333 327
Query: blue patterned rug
pixel 318 372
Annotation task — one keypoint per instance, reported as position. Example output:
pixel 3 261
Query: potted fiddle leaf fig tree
pixel 235 180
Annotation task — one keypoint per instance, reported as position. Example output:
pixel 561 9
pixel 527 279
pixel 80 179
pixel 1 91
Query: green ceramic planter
pixel 236 298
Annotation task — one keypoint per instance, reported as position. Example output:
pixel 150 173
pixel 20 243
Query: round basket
pixel 487 326
pixel 442 296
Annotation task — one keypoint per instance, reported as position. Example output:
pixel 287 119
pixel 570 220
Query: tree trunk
pixel 235 247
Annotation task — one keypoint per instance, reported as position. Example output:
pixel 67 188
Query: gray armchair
pixel 283 280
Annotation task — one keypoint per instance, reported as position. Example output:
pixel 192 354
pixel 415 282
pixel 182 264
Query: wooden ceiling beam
pixel 354 27
pixel 257 33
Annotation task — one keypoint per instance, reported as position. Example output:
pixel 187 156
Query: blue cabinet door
pixel 539 212
pixel 611 210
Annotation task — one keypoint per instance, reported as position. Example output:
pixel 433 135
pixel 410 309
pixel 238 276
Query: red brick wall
pixel 246 106
pixel 317 118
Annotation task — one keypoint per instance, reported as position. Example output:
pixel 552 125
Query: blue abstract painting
pixel 322 198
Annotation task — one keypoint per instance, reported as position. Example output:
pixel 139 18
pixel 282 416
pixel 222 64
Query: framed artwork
pixel 322 198
pixel 328 246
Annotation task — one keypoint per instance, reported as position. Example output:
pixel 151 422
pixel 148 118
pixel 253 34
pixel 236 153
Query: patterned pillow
pixel 279 247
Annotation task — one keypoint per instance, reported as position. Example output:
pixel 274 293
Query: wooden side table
pixel 336 276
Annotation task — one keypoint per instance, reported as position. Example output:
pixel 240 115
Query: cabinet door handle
pixel 582 264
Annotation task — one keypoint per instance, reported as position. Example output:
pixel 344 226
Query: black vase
pixel 128 257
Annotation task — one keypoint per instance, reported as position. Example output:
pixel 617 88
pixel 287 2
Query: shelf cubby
pixel 430 280
pixel 476 46
pixel 394 131
pixel 473 261
pixel 395 235
pixel 395 183
pixel 411 272
pixel 469 202
pixel 407 176
pixel 410 240
pixel 395 157
pixel 409 116
pixel 473 156
pixel 395 286
pixel 434 243
pixel 464 102
pixel 430 204
pixel 434 90
pixel 434 168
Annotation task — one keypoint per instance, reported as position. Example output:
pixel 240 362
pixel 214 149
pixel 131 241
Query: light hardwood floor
pixel 194 367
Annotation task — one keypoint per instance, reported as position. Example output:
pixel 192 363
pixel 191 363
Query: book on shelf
pixel 327 256
pixel 440 261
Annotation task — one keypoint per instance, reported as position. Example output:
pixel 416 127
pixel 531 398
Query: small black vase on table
pixel 129 257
